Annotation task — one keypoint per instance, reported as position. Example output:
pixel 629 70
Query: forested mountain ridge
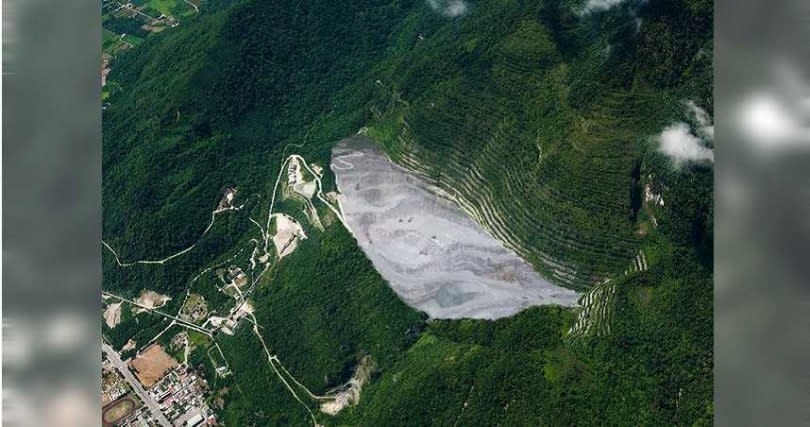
pixel 540 117
pixel 564 103
pixel 203 107
pixel 537 118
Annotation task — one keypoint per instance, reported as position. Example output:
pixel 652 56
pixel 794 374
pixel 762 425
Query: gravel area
pixel 434 256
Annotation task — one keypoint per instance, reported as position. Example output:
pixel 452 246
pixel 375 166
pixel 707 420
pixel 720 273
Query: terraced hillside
pixel 534 131
pixel 576 230
pixel 538 117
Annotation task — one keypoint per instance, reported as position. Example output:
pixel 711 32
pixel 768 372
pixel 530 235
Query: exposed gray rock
pixel 434 256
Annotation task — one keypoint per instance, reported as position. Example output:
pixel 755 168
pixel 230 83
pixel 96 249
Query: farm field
pixel 110 41
pixel 165 7
pixel 133 40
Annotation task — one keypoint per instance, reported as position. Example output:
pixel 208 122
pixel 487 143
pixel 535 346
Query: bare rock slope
pixel 434 256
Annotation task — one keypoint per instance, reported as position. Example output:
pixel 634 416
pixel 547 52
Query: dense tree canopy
pixel 541 116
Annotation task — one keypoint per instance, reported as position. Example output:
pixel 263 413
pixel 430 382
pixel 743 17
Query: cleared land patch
pixel 152 364
pixel 349 393
pixel 151 299
pixel 129 345
pixel 288 233
pixel 112 315
pixel 432 253
pixel 195 308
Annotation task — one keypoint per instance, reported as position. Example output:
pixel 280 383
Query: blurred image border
pixel 51 212
pixel 762 206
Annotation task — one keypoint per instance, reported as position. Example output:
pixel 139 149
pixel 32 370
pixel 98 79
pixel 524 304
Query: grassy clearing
pixel 110 42
pixel 169 7
pixel 133 40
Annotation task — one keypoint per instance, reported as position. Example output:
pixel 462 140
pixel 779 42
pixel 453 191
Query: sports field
pixel 117 410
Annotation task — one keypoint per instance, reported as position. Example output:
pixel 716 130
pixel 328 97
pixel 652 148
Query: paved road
pixel 147 400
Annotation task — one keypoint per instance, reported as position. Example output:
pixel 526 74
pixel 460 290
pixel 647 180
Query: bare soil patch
pixel 152 364
pixel 151 299
pixel 288 233
pixel 112 315
pixel 129 345
pixel 350 393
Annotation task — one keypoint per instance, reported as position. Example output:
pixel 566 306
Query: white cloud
pixel 705 126
pixel 592 6
pixel 600 5
pixel 449 8
pixel 772 124
pixel 679 143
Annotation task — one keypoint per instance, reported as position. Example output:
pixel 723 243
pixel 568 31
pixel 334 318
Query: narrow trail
pixel 207 269
pixel 193 5
pixel 216 345
pixel 464 406
pixel 271 359
pixel 345 166
pixel 159 334
pixel 259 226
pixel 264 231
pixel 303 387
pixel 337 212
pixel 186 352
pixel 170 257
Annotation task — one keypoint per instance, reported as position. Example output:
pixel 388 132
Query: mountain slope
pixel 540 119
pixel 536 119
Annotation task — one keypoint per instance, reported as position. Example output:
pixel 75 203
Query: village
pixel 153 384
pixel 152 389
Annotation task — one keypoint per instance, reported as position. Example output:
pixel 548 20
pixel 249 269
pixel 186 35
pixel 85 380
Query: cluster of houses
pixel 181 396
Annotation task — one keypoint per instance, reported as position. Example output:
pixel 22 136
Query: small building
pixel 237 276
pixel 195 420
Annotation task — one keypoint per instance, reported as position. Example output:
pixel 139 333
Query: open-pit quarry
pixel 431 252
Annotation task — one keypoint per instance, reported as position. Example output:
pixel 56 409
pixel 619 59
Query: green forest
pixel 537 113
